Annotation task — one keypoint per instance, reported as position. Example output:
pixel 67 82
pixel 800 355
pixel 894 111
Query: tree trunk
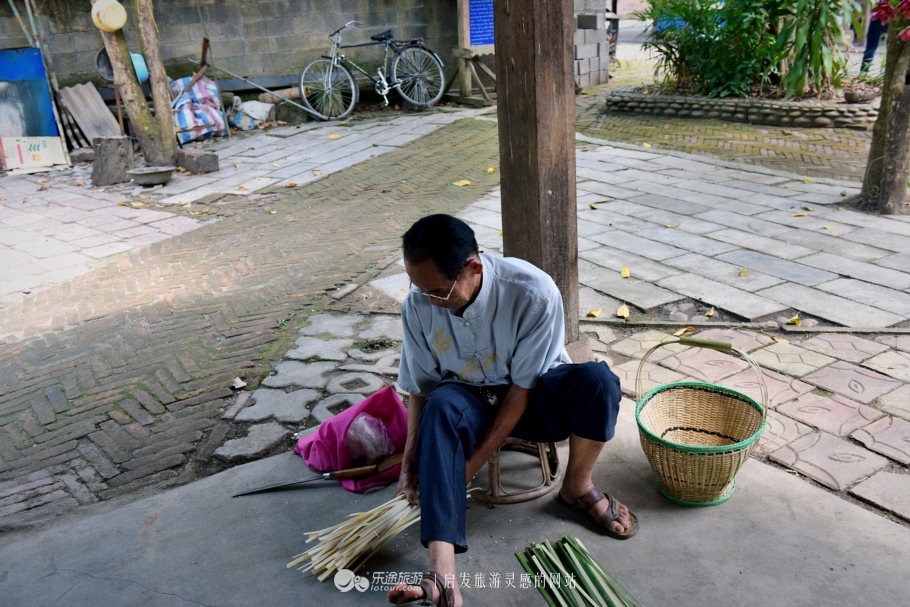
pixel 166 151
pixel 885 181
pixel 157 142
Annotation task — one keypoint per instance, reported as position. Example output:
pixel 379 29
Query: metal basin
pixel 151 175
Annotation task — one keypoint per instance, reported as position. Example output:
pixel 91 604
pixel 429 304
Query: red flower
pixel 904 8
pixel 883 12
pixel 905 34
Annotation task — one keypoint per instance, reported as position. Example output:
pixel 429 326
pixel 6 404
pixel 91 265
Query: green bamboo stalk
pixel 530 571
pixel 28 36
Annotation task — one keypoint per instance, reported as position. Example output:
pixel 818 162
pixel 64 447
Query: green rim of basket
pixel 698 449
pixel 716 502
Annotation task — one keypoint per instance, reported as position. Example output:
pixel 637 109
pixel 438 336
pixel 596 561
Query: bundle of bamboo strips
pixel 350 544
pixel 569 576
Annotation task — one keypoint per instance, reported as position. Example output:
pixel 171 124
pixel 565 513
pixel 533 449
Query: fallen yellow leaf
pixel 789 186
pixel 800 214
pixel 710 313
pixel 779 340
pixel 181 170
pixel 805 208
pixel 189 172
pixel 743 272
pixel 79 183
pixel 236 166
pixel 841 208
pixel 264 178
pixel 672 225
pixel 2 198
pixel 334 136
pixel 240 187
pixel 46 186
pixel 272 212
pixel 98 191
pixel 623 311
pixel 344 124
pixel 807 180
pixel 830 227
pixel 461 182
pixel 275 164
pixel 290 185
pixel 684 331
pixel 647 145
pixel 593 208
pixel 137 205
pixel 23 201
pixel 795 321
pixel 490 171
pixel 121 204
pixel 625 273
pixel 594 313
pixel 500 232
pixel 316 173
pixel 42 181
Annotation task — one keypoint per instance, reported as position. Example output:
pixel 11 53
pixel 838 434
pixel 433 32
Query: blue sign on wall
pixel 481 20
pixel 25 105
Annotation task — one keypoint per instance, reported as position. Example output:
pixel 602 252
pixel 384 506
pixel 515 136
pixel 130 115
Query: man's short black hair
pixel 444 239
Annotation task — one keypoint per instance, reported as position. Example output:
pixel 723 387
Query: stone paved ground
pixel 115 380
pixel 55 227
pixel 849 431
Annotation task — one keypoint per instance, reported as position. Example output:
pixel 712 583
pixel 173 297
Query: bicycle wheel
pixel 417 74
pixel 327 89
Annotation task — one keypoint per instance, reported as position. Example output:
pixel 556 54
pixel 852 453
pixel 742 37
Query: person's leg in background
pixel 873 37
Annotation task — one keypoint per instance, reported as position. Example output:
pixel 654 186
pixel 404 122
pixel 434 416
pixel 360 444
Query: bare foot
pixel 405 593
pixel 622 523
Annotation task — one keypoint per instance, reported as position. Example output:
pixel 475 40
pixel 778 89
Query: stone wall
pixel 754 111
pixel 592 46
pixel 249 37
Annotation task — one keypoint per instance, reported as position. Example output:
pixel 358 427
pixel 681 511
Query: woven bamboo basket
pixel 697 435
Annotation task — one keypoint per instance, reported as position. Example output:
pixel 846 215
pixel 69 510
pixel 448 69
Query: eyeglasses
pixel 415 289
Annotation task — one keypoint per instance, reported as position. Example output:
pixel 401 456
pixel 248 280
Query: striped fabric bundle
pixel 196 113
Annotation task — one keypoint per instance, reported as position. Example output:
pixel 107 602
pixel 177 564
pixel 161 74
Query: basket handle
pixel 720 346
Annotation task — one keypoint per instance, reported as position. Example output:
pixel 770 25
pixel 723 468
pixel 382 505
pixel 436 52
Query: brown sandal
pixel 595 495
pixel 445 592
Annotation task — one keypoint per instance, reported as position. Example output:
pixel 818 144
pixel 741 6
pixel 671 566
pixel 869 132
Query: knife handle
pixel 350 473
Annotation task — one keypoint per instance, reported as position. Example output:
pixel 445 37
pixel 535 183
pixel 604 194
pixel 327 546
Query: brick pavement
pixel 115 380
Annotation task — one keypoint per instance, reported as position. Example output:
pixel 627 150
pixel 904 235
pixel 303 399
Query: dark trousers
pixel 873 36
pixel 570 399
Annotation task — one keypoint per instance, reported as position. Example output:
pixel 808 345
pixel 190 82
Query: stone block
pixel 893 363
pixel 579 37
pixel 590 21
pixel 742 303
pixel 652 376
pixel 82 155
pixel 779 431
pixel 640 293
pixel 837 415
pixel 854 382
pixel 113 158
pixel 831 461
pixel 197 161
pixel 384 327
pixel 746 341
pixel 888 491
pixel 321 411
pixel 877 296
pixel 283 406
pixel 780 387
pixel 585 51
pixel 704 364
pixel 594 36
pixel 843 346
pixel 387 365
pixel 312 347
pixel 889 436
pixel 335 326
pixel 637 345
pixel 830 307
pixel 899 342
pixel 584 80
pixel 781 268
pixel 791 359
pixel 359 383
pixel 299 374
pixel 867 272
pixel 260 439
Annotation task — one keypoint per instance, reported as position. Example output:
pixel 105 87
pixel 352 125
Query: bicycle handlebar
pixel 349 23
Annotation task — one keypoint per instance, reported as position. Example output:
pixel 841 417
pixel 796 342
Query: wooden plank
pixel 84 103
pixel 536 110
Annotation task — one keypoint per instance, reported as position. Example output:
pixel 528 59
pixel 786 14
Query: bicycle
pixel 329 89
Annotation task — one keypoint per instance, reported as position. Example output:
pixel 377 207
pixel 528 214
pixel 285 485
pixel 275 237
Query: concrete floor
pixel 778 541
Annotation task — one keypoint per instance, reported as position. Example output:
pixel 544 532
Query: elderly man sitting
pixel 483 359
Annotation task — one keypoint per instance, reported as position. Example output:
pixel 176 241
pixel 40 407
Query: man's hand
pixel 407 482
pixel 510 411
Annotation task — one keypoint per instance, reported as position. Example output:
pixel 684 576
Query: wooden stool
pixel 549 467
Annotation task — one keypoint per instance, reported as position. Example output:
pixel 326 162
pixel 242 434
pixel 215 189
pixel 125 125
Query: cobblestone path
pixel 834 153
pixel 115 380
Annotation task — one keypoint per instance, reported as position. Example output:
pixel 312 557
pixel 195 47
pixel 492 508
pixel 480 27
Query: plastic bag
pixel 238 119
pixel 367 437
pixel 258 111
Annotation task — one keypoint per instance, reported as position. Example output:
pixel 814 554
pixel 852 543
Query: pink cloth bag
pixel 324 450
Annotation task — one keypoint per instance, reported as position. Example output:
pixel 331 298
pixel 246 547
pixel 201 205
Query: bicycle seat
pixel 384 36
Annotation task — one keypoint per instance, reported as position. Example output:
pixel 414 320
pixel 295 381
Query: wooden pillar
pixel 536 109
